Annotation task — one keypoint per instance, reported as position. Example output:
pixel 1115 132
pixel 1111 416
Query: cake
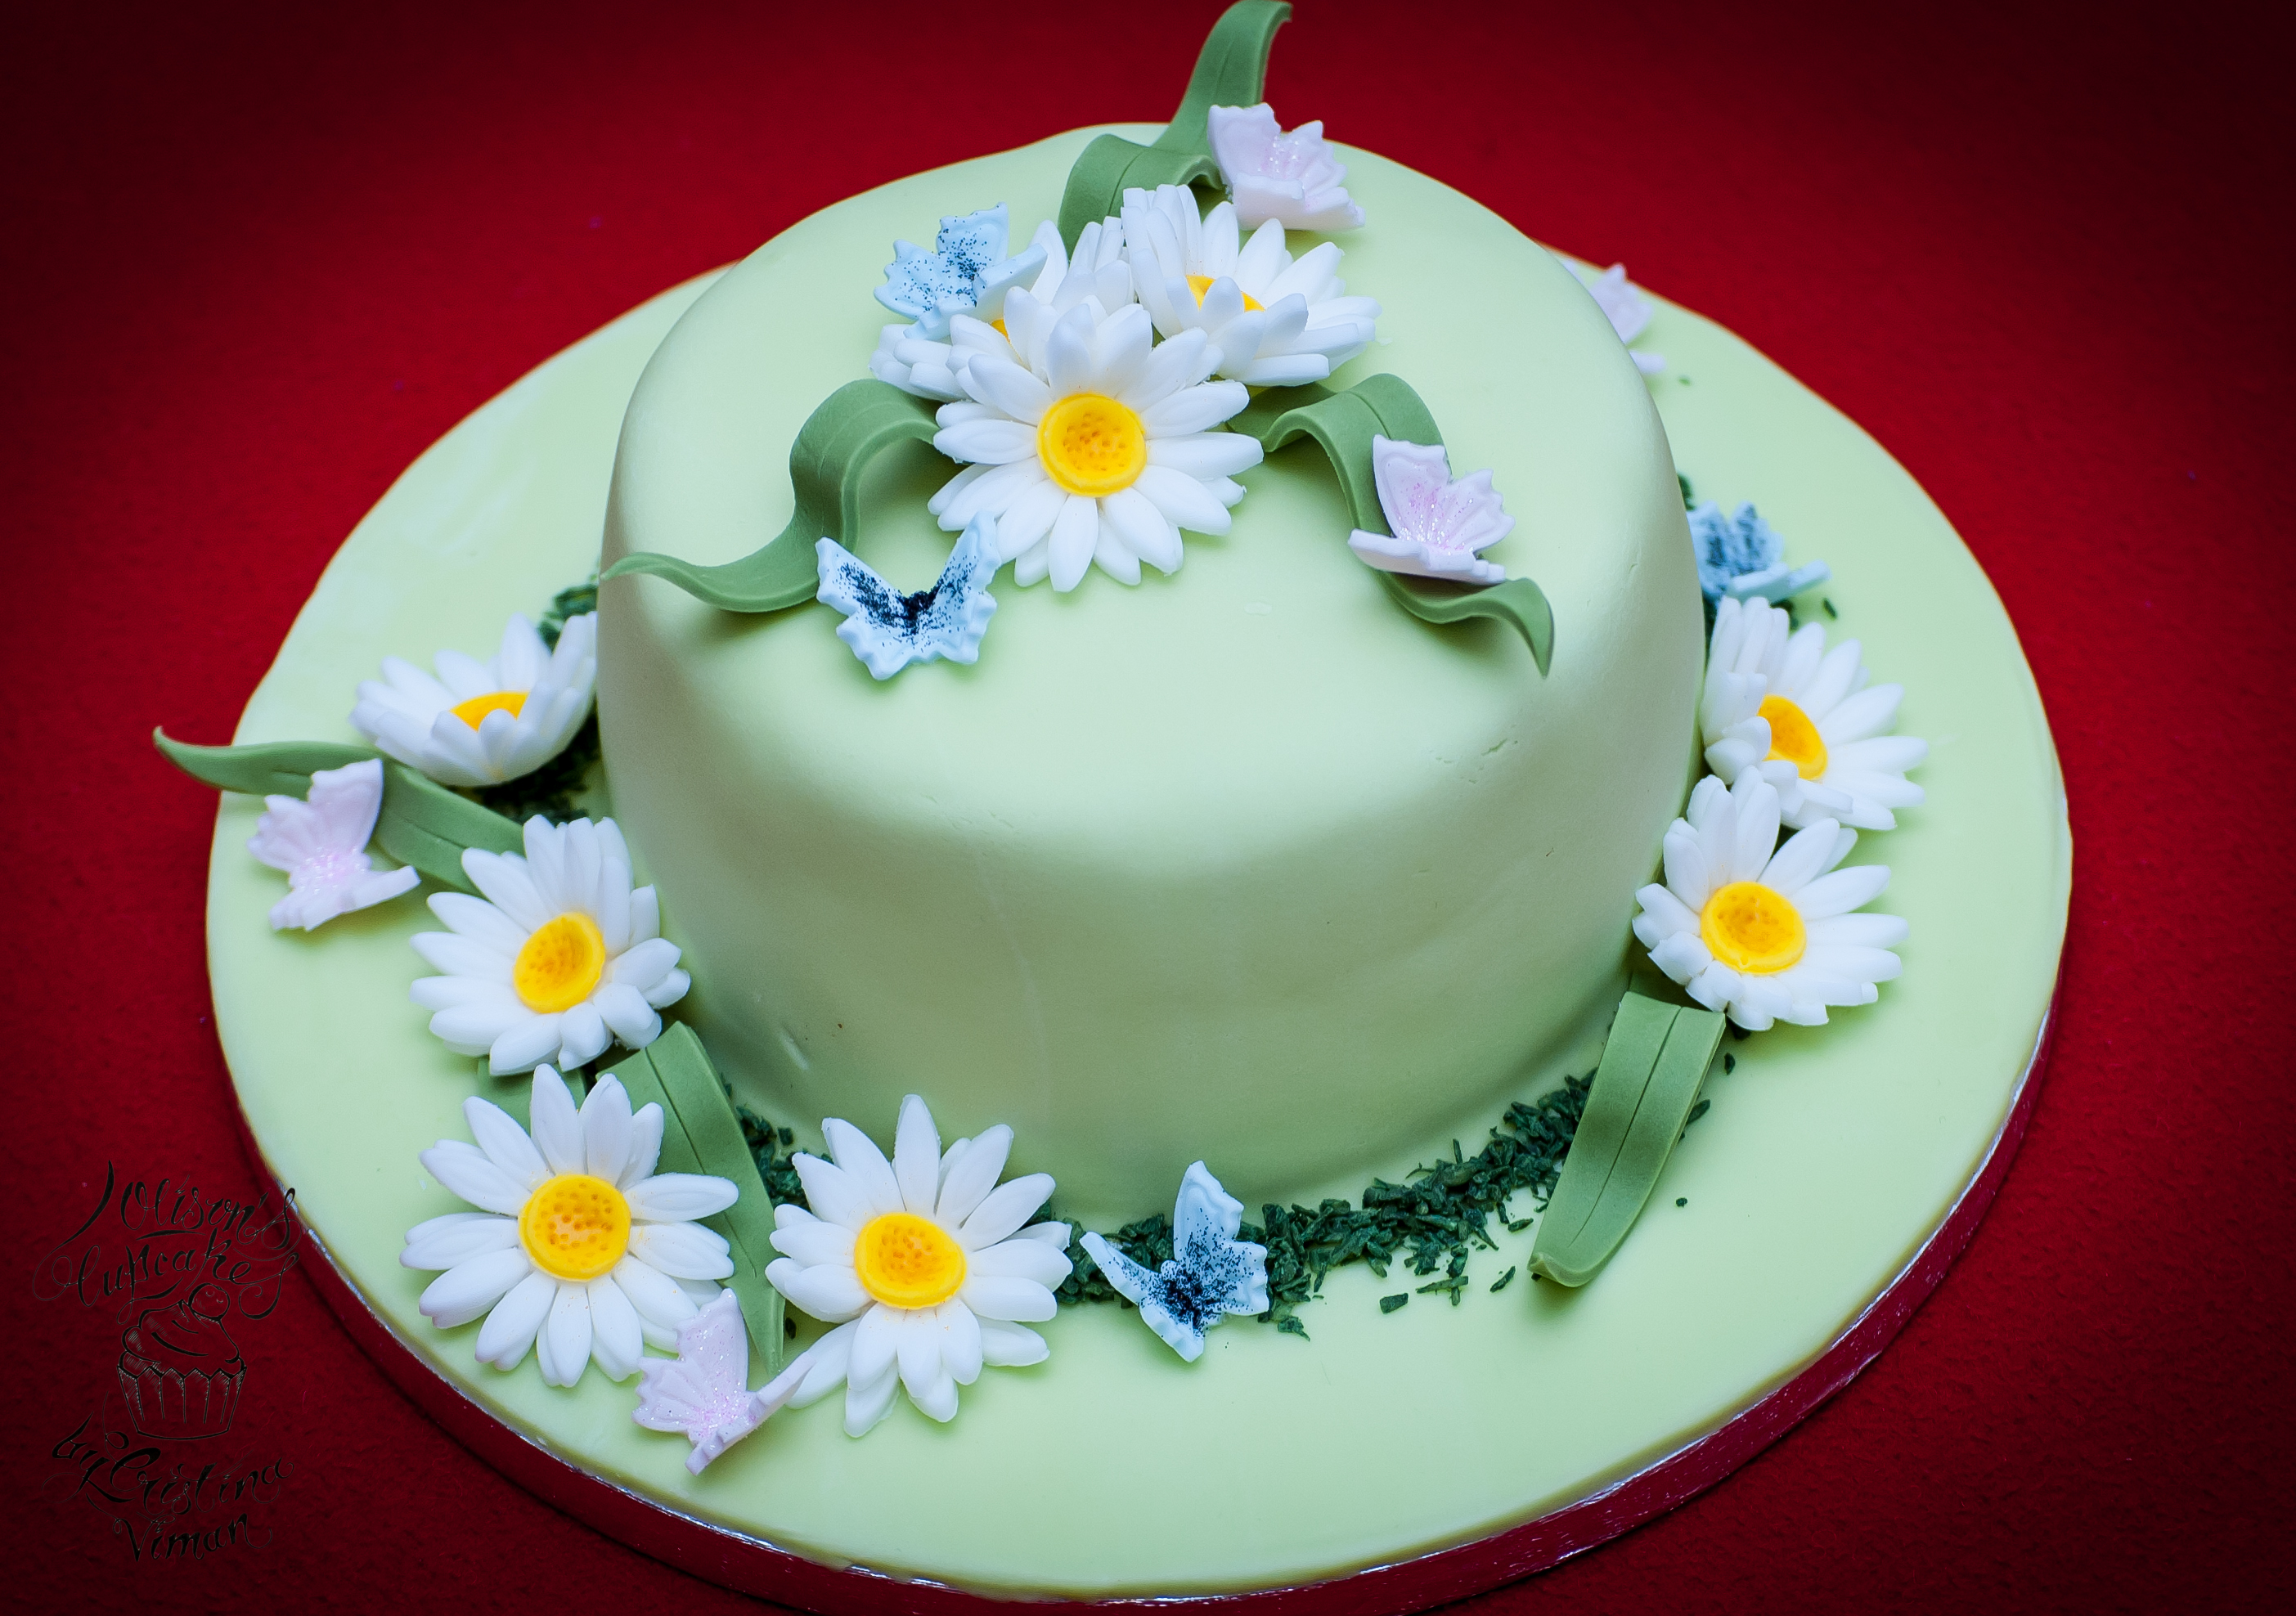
pixel 179 1369
pixel 1433 796
pixel 1241 862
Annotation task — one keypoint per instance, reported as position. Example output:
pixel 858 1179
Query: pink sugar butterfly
pixel 321 843
pixel 1439 524
pixel 703 1392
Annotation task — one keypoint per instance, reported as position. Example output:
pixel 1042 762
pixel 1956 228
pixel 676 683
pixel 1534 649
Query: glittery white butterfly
pixel 703 1392
pixel 1439 524
pixel 322 845
pixel 888 630
pixel 1210 1273
pixel 965 273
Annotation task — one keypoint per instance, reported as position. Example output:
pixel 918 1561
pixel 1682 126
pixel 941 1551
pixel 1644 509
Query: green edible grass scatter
pixel 1429 1225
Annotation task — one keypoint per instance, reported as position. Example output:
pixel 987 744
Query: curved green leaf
pixel 421 823
pixel 281 768
pixel 1230 71
pixel 1112 165
pixel 700 1134
pixel 1653 1063
pixel 853 426
pixel 1342 424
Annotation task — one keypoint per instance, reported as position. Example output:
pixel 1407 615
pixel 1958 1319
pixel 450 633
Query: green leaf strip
pixel 1653 1064
pixel 854 425
pixel 1342 424
pixel 1230 71
pixel 423 823
pixel 701 1134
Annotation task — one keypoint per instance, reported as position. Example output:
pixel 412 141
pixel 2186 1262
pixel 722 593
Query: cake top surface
pixel 1273 643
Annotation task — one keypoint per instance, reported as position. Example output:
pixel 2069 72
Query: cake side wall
pixel 1243 864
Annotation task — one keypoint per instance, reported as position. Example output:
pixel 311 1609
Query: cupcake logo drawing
pixel 179 1369
pixel 169 1272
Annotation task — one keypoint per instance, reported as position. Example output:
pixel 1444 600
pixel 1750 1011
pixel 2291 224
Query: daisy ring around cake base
pixel 482 722
pixel 560 957
pixel 578 1249
pixel 1778 702
pixel 920 1262
pixel 1091 442
pixel 1765 935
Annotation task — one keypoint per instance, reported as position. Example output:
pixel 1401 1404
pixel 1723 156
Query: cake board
pixel 339 1089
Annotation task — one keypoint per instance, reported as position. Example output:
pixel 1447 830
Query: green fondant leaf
pixel 853 426
pixel 1519 603
pixel 1230 71
pixel 1112 165
pixel 280 768
pixel 1342 424
pixel 423 823
pixel 675 1071
pixel 1655 1059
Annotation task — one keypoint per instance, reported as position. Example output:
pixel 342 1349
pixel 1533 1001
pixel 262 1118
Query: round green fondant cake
pixel 1241 863
pixel 1245 865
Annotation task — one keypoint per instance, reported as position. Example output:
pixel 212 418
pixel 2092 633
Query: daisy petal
pixel 510 1328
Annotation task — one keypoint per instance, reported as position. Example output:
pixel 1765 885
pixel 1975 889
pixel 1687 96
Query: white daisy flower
pixel 1290 176
pixel 1090 441
pixel 579 1249
pixel 1765 935
pixel 920 1262
pixel 560 956
pixel 1779 703
pixel 1628 312
pixel 482 722
pixel 1276 323
pixel 931 367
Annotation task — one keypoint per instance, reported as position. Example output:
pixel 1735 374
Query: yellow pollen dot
pixel 1752 928
pixel 908 1261
pixel 1092 445
pixel 999 324
pixel 471 712
pixel 1203 284
pixel 558 965
pixel 1794 738
pixel 575 1226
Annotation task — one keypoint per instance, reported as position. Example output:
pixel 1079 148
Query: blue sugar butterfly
pixel 966 270
pixel 888 630
pixel 1210 1274
pixel 1739 555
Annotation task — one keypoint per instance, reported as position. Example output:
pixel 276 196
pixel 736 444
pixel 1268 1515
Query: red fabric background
pixel 256 260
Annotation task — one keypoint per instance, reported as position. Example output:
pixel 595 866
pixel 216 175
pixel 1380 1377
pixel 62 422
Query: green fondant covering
pixel 1139 873
pixel 421 823
pixel 1653 1063
pixel 700 1134
pixel 857 423
pixel 1835 1149
pixel 1229 72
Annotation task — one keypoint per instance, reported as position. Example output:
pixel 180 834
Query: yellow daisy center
pixel 1092 445
pixel 1752 929
pixel 559 964
pixel 1794 738
pixel 1203 284
pixel 575 1226
pixel 908 1261
pixel 472 712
